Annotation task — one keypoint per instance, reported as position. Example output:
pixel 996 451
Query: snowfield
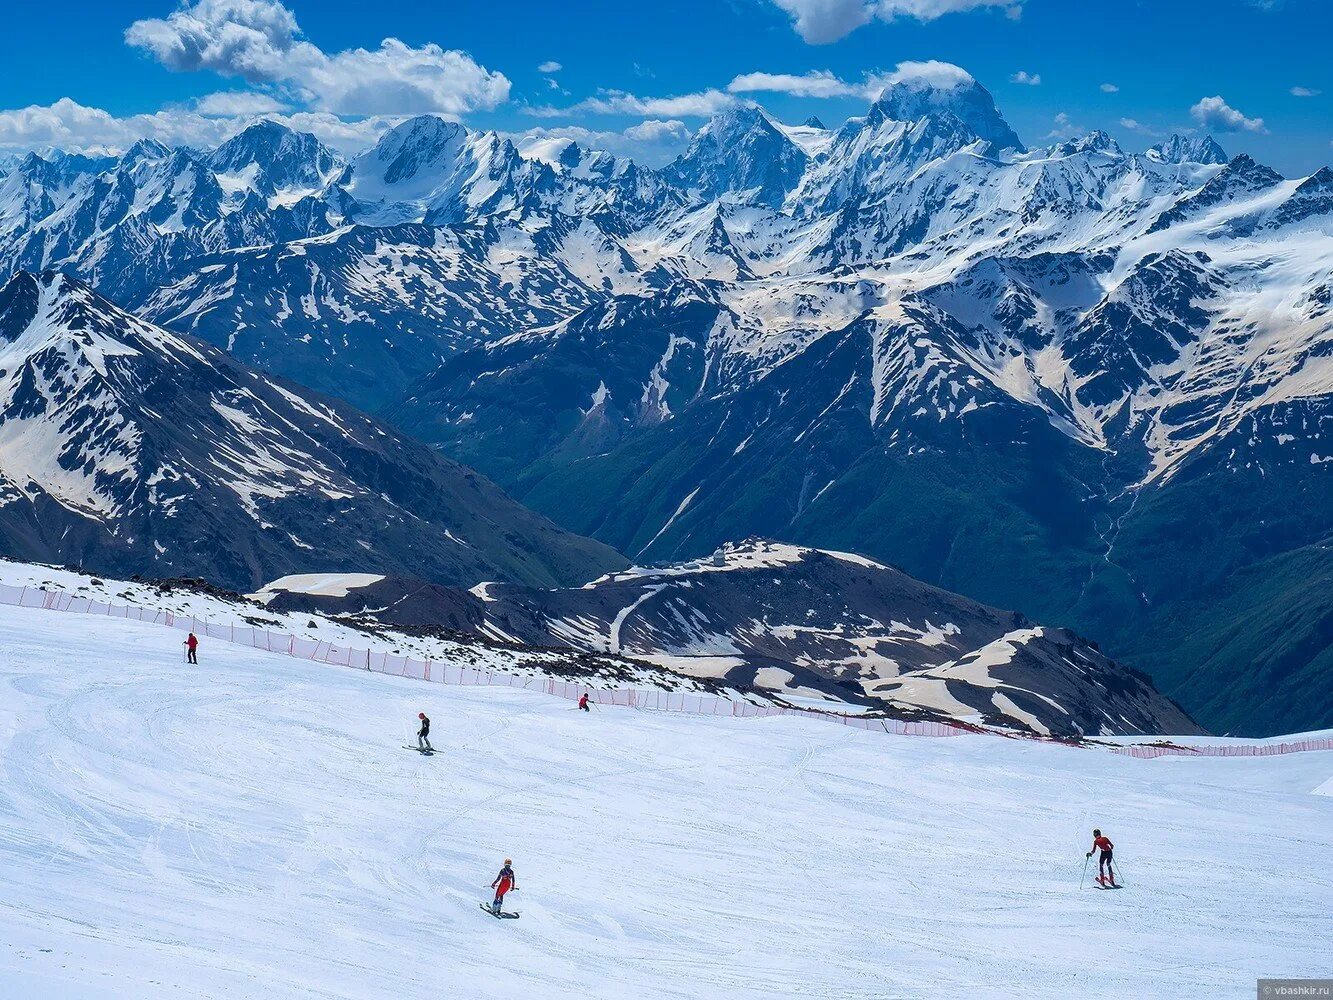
pixel 251 827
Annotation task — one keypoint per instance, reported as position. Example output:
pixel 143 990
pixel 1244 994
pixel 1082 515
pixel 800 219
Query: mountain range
pixel 1088 383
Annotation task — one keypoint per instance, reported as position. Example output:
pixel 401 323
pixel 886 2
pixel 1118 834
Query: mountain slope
pixel 131 449
pixel 576 390
pixel 189 802
pixel 777 616
pixel 795 623
pixel 364 312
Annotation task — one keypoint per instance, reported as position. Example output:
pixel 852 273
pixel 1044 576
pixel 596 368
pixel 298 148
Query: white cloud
pixel 652 142
pixel 1026 78
pixel 252 39
pixel 654 130
pixel 71 126
pixel 818 83
pixel 550 66
pixel 231 103
pixel 1215 113
pixel 616 102
pixel 814 84
pixel 399 79
pixel 1305 92
pixel 1134 125
pixel 822 83
pixel 822 21
pixel 341 134
pixel 260 42
pixel 1063 127
pixel 930 73
pixel 1110 88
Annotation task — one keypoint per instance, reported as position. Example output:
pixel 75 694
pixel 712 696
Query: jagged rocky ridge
pixel 129 449
pixel 799 623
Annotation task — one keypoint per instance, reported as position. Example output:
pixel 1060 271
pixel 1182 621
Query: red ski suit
pixel 503 883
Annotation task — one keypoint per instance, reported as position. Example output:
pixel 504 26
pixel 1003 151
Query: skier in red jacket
pixel 1106 875
pixel 192 644
pixel 502 884
pixel 583 702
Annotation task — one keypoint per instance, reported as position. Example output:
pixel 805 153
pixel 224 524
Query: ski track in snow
pixel 250 828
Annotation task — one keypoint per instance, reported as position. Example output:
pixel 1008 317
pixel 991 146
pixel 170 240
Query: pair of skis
pixel 1100 881
pixel 420 750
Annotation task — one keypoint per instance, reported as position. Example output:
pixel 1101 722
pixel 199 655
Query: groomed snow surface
pixel 252 827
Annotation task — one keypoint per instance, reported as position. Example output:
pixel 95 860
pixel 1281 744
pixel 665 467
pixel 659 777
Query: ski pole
pixel 1083 877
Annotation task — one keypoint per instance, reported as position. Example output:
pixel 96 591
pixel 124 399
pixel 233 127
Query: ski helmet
pixel 508 861
pixel 1096 833
pixel 421 715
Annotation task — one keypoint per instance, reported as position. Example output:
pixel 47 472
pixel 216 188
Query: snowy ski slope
pixel 252 828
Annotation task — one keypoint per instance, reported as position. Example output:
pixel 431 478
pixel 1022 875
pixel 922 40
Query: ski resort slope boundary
pixel 256 830
pixel 654 699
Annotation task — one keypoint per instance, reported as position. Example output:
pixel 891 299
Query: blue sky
pixel 1255 73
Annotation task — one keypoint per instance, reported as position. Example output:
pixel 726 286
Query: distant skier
pixel 192 646
pixel 1106 875
pixel 502 884
pixel 583 702
pixel 423 734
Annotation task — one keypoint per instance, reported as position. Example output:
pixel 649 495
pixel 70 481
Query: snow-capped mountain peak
pixel 51 309
pixel 1094 142
pixel 145 150
pixel 916 97
pixel 271 159
pixel 435 170
pixel 740 152
pixel 411 152
pixel 1188 149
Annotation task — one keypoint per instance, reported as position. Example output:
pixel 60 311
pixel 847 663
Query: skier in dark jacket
pixel 192 645
pixel 1106 876
pixel 423 741
pixel 502 884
